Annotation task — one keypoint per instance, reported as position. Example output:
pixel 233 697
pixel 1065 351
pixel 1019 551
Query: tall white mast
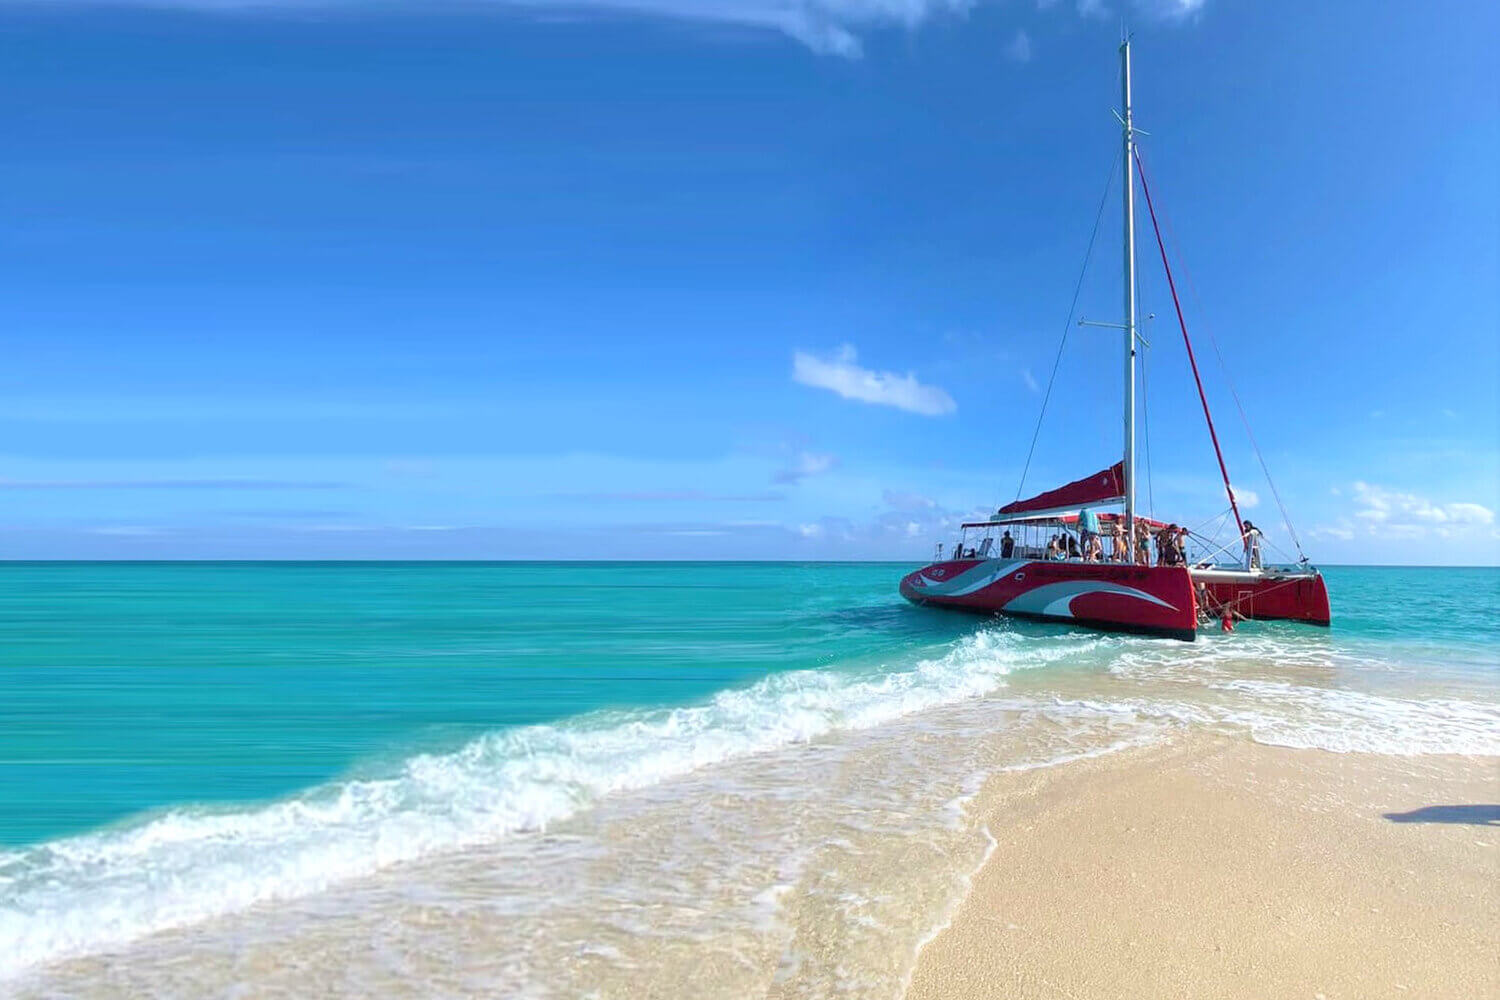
pixel 1129 163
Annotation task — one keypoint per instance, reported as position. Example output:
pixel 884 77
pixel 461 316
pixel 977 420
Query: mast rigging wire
pixel 1077 290
pixel 1202 397
pixel 1286 518
pixel 1146 404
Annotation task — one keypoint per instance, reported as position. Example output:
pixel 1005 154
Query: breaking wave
pixel 100 890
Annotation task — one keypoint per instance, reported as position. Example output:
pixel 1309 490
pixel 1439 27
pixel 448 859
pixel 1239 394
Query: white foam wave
pixel 101 890
pixel 1345 721
pixel 1314 718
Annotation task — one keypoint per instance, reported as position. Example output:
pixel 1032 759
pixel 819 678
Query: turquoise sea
pixel 180 742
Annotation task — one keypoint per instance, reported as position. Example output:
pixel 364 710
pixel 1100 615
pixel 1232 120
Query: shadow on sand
pixel 1476 815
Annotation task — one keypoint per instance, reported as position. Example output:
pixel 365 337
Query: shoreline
pixel 1216 866
pixel 1200 864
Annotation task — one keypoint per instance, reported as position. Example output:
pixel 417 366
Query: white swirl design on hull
pixel 1056 599
pixel 970 580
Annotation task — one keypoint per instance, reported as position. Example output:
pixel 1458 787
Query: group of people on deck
pixel 1088 546
pixel 1171 543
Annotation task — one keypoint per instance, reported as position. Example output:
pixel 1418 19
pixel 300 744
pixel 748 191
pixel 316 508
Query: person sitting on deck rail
pixel 1007 545
pixel 1056 549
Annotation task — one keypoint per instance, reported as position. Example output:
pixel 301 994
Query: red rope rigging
pixel 1192 360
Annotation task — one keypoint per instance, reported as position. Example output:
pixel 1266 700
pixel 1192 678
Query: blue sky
pixel 730 278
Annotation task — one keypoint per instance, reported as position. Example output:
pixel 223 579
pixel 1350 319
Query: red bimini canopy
pixel 1105 486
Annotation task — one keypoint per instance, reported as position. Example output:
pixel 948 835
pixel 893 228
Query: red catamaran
pixel 1052 557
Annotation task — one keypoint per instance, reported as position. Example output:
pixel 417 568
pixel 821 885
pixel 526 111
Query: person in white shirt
pixel 1252 546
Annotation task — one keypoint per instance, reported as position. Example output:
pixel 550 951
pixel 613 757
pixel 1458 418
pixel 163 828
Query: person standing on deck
pixel 1088 530
pixel 1252 546
pixel 1119 551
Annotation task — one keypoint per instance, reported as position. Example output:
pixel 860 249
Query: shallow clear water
pixel 184 742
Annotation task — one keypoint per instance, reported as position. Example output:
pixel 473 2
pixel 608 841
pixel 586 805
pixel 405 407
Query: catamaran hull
pixel 1301 597
pixel 1154 600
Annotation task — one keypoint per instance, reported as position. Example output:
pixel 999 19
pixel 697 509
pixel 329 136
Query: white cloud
pixel 1410 515
pixel 833 27
pixel 1247 498
pixel 842 375
pixel 1170 9
pixel 1469 513
pixel 1019 49
pixel 810 530
pixel 1030 380
pixel 903 501
pixel 668 495
pixel 826 26
pixel 807 464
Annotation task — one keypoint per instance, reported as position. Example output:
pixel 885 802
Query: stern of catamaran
pixel 1292 594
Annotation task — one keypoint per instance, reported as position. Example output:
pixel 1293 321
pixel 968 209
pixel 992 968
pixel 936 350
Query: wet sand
pixel 1220 868
pixel 1194 864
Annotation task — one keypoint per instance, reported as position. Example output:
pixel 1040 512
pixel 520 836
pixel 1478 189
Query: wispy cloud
pixel 833 27
pixel 1385 509
pixel 902 500
pixel 806 464
pixel 1171 9
pixel 841 374
pixel 910 523
pixel 167 484
pixel 826 26
pixel 1030 380
pixel 648 496
pixel 1019 47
